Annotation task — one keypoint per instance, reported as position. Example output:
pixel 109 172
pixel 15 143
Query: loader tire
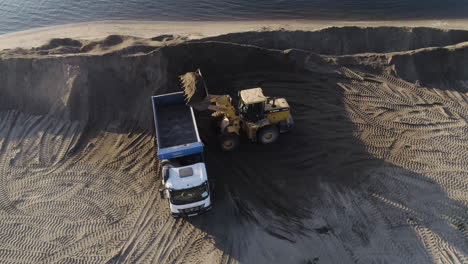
pixel 268 134
pixel 229 141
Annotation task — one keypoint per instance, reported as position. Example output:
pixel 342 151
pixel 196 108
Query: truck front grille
pixel 192 209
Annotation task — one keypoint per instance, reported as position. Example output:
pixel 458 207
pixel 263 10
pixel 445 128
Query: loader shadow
pixel 278 187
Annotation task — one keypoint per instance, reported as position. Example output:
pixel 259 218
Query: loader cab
pixel 252 104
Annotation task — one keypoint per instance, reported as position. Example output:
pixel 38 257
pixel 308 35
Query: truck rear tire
pixel 164 162
pixel 229 141
pixel 268 134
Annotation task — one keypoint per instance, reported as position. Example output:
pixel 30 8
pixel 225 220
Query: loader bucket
pixel 196 94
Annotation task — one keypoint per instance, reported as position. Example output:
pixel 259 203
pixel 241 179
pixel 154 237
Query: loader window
pixel 243 108
pixel 251 112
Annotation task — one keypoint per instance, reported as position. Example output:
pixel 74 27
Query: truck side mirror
pixel 165 173
pixel 163 193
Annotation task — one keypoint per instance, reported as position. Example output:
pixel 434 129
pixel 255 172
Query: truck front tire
pixel 229 141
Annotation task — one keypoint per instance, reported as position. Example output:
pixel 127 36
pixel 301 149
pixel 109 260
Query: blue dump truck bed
pixel 176 128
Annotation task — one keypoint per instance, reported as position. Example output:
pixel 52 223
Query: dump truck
pixel 185 182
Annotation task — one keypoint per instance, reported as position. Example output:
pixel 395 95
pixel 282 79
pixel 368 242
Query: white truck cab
pixel 187 189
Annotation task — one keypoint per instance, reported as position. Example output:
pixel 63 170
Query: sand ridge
pixel 374 171
pixel 196 30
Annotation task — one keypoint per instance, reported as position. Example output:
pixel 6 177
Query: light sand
pixel 375 170
pixel 89 31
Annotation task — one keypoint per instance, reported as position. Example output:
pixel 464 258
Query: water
pixel 18 15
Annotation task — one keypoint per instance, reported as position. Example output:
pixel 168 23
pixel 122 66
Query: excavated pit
pixel 374 170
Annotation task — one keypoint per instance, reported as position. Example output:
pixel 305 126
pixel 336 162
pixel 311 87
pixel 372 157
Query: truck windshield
pixel 191 195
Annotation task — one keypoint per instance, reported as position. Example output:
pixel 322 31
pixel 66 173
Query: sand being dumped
pixel 374 171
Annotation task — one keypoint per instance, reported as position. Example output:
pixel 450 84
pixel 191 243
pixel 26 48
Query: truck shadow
pixel 293 200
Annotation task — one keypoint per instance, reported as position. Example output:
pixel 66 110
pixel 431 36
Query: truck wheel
pixel 268 134
pixel 164 162
pixel 229 141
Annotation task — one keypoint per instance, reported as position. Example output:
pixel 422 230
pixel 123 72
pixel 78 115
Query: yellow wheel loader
pixel 261 118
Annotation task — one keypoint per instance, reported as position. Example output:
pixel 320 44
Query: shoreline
pixel 194 30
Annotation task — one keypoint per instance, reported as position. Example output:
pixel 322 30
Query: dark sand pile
pixel 375 170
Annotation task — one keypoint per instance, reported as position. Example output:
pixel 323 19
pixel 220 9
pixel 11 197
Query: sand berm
pixel 375 170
